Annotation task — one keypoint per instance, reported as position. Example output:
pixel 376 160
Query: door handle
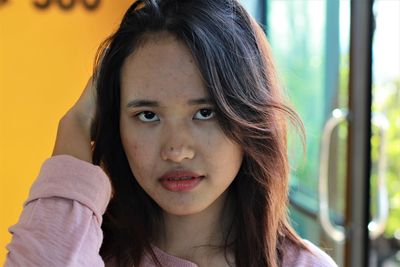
pixel 336 232
pixel 377 225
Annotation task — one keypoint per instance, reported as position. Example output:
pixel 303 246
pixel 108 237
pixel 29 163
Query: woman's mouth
pixel 180 181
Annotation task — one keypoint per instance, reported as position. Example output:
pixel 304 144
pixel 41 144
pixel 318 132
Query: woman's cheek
pixel 141 151
pixel 212 136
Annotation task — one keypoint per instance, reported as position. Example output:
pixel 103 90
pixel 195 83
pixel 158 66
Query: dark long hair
pixel 232 54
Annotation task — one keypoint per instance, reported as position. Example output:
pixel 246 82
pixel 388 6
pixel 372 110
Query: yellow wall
pixel 46 58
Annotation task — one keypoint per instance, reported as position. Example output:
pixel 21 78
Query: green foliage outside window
pixel 388 102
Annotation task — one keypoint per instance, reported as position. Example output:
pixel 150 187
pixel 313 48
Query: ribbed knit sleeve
pixel 60 222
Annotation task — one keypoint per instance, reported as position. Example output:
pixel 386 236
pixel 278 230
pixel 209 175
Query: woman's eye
pixel 204 114
pixel 147 116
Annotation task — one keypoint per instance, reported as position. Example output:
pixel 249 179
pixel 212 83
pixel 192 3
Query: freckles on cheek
pixel 132 151
pixel 139 155
pixel 130 148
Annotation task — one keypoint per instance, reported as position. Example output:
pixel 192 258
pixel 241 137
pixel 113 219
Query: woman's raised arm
pixel 73 135
pixel 61 219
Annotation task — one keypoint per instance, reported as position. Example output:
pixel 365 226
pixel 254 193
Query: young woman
pixel 175 156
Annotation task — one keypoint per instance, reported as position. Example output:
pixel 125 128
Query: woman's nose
pixel 177 153
pixel 178 145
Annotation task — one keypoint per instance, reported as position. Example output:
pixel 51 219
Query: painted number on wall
pixel 66 4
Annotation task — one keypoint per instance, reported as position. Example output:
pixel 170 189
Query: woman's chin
pixel 181 210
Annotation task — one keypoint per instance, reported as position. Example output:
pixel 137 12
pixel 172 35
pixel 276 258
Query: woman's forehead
pixel 159 49
pixel 163 66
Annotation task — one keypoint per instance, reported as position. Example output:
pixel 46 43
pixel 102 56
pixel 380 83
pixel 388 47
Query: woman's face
pixel 175 147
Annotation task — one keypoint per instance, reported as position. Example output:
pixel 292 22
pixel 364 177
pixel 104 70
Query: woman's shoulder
pixel 300 257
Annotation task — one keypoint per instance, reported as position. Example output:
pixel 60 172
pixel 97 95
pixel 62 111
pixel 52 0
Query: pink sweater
pixel 60 223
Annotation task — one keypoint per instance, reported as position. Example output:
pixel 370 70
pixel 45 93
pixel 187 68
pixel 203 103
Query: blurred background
pixel 339 62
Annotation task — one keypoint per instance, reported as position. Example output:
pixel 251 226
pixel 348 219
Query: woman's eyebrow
pixel 150 103
pixel 200 101
pixel 142 103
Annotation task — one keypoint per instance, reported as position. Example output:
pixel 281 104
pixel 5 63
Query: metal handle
pixel 336 232
pixel 377 226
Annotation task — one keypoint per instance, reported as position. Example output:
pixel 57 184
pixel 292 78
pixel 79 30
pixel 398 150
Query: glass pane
pixel 297 40
pixel 385 142
pixel 310 42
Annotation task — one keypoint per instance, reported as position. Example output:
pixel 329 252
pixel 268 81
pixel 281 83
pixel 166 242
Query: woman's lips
pixel 180 181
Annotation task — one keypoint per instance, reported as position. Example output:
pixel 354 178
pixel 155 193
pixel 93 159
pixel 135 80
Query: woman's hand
pixel 73 135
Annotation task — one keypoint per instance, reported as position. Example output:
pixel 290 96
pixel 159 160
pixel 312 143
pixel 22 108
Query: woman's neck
pixel 197 236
